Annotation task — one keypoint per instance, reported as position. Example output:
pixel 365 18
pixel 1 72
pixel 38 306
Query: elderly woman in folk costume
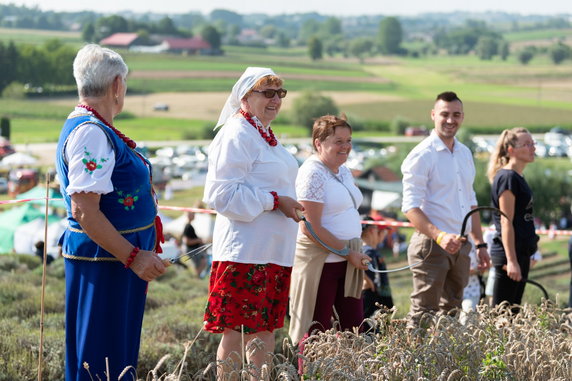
pixel 250 183
pixel 112 238
pixel 324 278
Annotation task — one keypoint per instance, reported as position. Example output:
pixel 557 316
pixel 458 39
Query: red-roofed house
pixel 120 40
pixel 192 45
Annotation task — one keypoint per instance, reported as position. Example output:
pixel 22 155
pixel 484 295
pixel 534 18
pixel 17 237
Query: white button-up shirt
pixel 243 170
pixel 439 182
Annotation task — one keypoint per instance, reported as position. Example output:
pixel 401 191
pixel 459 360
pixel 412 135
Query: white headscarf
pixel 250 76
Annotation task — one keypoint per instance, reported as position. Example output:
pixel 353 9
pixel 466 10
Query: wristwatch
pixel 481 245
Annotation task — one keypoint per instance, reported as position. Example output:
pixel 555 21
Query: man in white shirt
pixel 438 192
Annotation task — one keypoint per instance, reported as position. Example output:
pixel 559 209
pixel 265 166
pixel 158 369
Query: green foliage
pixel 462 40
pixel 48 64
pixel 559 52
pixel 549 184
pixel 9 57
pixel 227 17
pixel 525 55
pixel 399 124
pixel 315 48
pixel 390 35
pixel 167 26
pixel 108 25
pixel 309 28
pixel 5 127
pixel 487 47
pixel 88 32
pixel 361 47
pixel 504 50
pixel 211 35
pixel 310 106
pixel 331 26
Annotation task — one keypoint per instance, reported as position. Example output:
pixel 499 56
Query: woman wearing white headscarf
pixel 250 183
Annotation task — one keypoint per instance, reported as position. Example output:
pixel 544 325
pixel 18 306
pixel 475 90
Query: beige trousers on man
pixel 439 281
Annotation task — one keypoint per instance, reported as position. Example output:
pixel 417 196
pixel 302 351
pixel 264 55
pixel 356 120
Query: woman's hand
pixel 147 265
pixel 513 271
pixel 359 260
pixel 288 206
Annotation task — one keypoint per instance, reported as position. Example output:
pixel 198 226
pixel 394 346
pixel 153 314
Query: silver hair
pixel 95 68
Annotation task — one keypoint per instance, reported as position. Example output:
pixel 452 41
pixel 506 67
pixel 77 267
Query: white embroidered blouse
pixel 243 170
pixel 89 142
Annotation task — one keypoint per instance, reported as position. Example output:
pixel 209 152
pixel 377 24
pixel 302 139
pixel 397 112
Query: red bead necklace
pixel 130 142
pixel 269 137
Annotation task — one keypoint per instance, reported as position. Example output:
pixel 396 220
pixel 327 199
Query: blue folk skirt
pixel 104 314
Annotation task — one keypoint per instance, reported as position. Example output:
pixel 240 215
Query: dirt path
pixel 207 105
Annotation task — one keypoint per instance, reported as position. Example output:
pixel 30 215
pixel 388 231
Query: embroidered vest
pixel 131 207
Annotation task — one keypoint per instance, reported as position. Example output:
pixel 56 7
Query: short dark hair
pixel 326 125
pixel 448 96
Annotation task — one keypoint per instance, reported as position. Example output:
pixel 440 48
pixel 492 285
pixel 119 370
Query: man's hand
pixel 451 243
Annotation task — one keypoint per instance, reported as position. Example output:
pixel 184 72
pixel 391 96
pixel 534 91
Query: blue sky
pixel 326 7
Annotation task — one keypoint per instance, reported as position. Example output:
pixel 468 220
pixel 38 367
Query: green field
pixel 38 37
pixel 497 94
pixel 544 34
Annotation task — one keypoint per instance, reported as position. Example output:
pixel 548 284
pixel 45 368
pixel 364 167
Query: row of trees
pixel 557 52
pixel 387 41
pixel 47 65
pixel 94 31
pixel 357 36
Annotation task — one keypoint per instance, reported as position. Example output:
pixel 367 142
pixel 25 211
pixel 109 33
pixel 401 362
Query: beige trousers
pixel 439 281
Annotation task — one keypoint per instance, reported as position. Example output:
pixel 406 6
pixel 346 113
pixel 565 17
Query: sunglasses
pixel 269 93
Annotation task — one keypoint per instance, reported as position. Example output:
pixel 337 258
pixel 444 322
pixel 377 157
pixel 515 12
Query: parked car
pixel 161 107
pixel 416 131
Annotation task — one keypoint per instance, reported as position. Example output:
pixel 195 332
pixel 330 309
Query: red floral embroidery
pixel 91 165
pixel 248 295
pixel 90 162
pixel 127 199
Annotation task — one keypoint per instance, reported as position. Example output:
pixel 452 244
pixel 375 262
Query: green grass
pixel 497 94
pixel 38 37
pixel 238 60
pixel 28 108
pixel 477 114
pixel 533 35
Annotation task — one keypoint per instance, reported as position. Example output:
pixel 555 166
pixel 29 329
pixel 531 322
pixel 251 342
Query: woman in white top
pixel 322 280
pixel 250 183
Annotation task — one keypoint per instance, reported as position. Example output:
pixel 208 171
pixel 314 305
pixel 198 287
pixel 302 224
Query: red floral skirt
pixel 248 295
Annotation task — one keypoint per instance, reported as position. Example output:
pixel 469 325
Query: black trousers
pixel 570 258
pixel 506 289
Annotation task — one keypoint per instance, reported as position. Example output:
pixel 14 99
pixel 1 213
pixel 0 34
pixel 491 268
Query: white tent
pixel 382 199
pixel 26 236
pixel 17 159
